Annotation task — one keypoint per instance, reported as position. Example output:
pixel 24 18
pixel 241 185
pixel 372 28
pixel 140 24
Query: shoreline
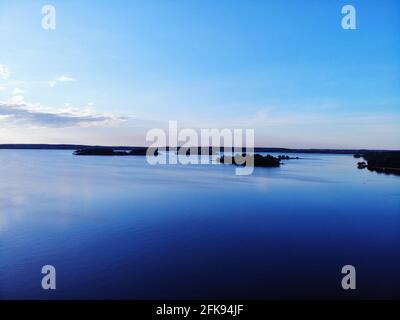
pixel 127 148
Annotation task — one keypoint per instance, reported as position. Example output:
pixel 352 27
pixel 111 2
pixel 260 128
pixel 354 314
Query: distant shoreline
pixel 256 149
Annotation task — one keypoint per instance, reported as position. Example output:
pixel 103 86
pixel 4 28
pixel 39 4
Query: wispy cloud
pixel 18 91
pixel 23 113
pixel 17 96
pixel 272 117
pixel 4 73
pixel 59 79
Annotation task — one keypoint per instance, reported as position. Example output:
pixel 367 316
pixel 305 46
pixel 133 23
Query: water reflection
pixel 115 227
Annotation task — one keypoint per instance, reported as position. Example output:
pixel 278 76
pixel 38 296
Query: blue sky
pixel 285 68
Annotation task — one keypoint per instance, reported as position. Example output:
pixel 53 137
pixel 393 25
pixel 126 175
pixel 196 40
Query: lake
pixel 118 228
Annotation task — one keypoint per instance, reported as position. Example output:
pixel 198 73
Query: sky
pixel 112 70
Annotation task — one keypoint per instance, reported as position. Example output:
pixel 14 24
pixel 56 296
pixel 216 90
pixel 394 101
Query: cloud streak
pixel 38 116
pixel 59 79
pixel 4 73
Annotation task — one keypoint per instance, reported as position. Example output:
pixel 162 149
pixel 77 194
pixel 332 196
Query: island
pixel 139 151
pixel 362 165
pixel 380 161
pixel 288 158
pixel 258 160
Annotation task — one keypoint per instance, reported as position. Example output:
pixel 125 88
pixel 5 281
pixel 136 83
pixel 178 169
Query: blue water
pixel 115 227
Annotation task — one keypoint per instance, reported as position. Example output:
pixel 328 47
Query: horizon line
pixel 67 146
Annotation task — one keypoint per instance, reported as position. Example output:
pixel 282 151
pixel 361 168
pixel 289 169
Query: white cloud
pixel 18 91
pixel 17 99
pixel 59 79
pixel 64 79
pixel 4 73
pixel 17 96
pixel 19 112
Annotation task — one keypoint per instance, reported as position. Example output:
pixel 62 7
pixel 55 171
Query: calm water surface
pixel 115 227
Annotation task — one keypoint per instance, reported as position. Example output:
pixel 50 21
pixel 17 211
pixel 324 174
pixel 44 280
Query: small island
pixel 362 165
pixel 258 160
pixel 111 152
pixel 288 158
